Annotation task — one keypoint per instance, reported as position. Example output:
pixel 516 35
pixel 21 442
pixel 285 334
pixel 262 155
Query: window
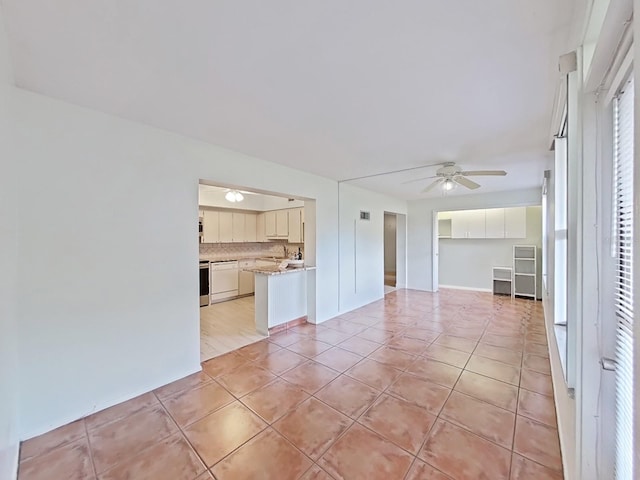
pixel 623 252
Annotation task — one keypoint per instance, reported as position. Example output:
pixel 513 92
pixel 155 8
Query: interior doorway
pixel 390 252
pixel 241 229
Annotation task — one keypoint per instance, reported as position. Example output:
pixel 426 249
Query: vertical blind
pixel 623 235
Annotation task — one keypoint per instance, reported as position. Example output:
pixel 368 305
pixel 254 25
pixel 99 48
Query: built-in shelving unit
pixel 502 281
pixel 524 271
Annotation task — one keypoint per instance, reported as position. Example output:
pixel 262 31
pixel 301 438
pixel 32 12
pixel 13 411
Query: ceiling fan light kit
pixel 234 196
pixel 451 175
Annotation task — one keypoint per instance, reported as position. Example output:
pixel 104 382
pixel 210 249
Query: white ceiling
pixel 338 88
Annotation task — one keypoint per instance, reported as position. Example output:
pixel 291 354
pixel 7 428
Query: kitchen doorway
pixel 234 236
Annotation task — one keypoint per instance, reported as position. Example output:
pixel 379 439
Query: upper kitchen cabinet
pixel 237 229
pixel 494 223
pixel 277 223
pixel 468 224
pixel 210 227
pixel 515 222
pixel 250 227
pixel 282 223
pixel 295 225
pixel 488 223
pixel 226 227
pixel 270 224
pixel 261 232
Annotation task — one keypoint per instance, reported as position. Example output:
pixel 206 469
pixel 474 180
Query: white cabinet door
pixel 295 226
pixel 270 224
pixel 459 224
pixel 282 223
pixel 494 221
pixel 210 228
pixel 237 231
pixel 226 227
pixel 476 227
pixel 261 233
pixel 250 227
pixel 246 280
pixel 515 222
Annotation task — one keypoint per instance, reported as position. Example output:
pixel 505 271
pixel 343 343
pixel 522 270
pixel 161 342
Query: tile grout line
pixel 93 463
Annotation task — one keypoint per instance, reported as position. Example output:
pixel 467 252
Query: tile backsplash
pixel 223 251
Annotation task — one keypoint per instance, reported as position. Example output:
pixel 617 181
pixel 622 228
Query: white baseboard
pixel 472 289
pixel 9 462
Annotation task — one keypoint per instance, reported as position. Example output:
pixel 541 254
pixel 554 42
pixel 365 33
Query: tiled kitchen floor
pixel 415 386
pixel 227 326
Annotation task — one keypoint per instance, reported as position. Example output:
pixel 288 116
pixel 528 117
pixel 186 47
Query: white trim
pixel 620 76
pixel 472 289
pixel 564 402
pixel 9 462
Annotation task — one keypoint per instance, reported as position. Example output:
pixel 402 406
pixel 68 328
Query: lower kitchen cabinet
pixel 246 280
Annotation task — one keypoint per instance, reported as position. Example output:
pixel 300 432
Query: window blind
pixel 623 243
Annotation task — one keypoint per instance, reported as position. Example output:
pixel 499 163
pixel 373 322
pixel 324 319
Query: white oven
pixel 224 280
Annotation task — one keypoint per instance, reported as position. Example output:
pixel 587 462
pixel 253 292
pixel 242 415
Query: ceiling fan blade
pixel 501 173
pixel 419 179
pixel 431 186
pixel 465 182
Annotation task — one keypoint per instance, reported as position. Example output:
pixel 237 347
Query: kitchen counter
pixel 210 258
pixel 276 270
pixel 280 295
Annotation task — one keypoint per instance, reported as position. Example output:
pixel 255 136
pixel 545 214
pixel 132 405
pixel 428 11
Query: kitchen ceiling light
pixel 234 196
pixel 448 184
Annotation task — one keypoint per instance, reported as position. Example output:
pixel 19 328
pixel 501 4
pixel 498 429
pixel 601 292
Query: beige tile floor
pixel 453 385
pixel 227 326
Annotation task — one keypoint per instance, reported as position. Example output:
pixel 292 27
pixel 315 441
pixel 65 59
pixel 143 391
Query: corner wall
pixel 362 245
pixel 106 217
pixel 420 226
pixel 468 262
pixel 9 398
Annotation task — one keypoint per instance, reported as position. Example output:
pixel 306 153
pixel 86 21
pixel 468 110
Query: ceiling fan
pixel 450 174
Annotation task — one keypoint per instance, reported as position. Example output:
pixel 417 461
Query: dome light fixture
pixel 234 196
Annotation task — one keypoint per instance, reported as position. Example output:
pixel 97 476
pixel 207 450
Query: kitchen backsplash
pixel 223 251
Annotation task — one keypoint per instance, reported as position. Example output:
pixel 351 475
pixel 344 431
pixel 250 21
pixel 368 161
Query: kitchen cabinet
pixel 270 224
pixel 237 227
pixel 261 233
pixel 210 226
pixel 246 280
pixel 494 223
pixel 295 225
pixel 488 223
pixel 476 227
pixel 277 223
pixel 282 223
pixel 226 227
pixel 468 224
pixel 515 222
pixel 250 227
pixel 459 224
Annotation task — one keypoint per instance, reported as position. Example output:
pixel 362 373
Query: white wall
pixel 106 215
pixel 362 246
pixel 420 226
pixel 9 399
pixel 468 262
